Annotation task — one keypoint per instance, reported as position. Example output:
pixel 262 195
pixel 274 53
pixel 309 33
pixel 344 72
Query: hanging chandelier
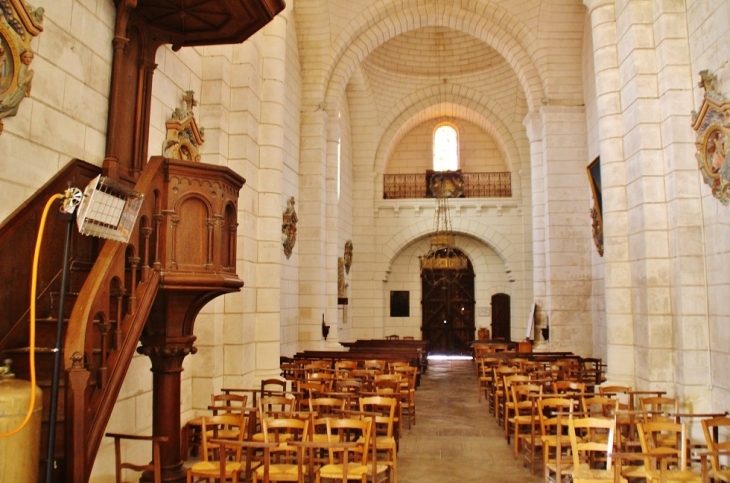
pixel 443 262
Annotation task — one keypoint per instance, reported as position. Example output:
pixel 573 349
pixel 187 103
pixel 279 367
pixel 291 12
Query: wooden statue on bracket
pixel 289 228
pixel 183 138
pixel 19 23
pixel 712 125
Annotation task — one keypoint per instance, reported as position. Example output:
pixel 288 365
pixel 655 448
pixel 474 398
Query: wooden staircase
pixel 181 255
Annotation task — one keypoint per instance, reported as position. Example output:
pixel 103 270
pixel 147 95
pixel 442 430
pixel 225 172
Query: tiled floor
pixel 455 439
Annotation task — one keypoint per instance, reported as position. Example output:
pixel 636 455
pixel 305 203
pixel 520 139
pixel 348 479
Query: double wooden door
pixel 448 312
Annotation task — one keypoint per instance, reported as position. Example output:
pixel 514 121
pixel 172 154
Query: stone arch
pixel 503 247
pixel 490 23
pixel 469 104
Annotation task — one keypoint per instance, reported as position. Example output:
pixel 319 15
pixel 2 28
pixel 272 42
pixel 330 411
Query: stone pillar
pixel 271 201
pixel 534 127
pixel 333 250
pixel 618 303
pixel 561 202
pixel 313 271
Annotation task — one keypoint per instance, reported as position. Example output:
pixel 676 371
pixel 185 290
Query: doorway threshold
pixel 449 357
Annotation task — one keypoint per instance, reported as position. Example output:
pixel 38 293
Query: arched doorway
pixel 448 311
pixel 501 327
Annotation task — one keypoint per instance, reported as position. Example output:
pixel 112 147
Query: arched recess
pixel 403 274
pixel 463 103
pixel 509 36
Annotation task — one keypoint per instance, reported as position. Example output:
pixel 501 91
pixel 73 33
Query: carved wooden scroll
pixel 19 23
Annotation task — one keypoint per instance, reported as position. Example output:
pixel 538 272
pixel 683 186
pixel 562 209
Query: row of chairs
pixel 293 432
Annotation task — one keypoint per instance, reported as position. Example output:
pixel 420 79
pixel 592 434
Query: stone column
pixel 271 202
pixel 619 317
pixel 313 271
pixel 561 202
pixel 534 127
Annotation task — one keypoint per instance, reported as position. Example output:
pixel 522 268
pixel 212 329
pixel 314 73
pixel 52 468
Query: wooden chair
pixel 508 406
pixel 665 438
pixel 711 427
pixel 350 462
pixel 385 430
pixel 272 407
pixel 284 465
pixel 153 466
pixel 499 394
pixel 553 415
pixel 585 444
pixel 237 447
pixel 392 337
pixel 214 427
pixel 525 422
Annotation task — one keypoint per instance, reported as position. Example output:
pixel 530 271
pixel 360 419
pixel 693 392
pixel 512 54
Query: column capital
pixel 533 125
pixel 592 5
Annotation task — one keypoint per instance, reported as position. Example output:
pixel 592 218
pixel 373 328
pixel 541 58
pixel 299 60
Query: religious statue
pixel 348 255
pixel 289 228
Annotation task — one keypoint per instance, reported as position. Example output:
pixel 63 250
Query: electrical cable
pixel 33 285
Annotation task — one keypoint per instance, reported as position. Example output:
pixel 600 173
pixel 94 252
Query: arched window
pixel 445 148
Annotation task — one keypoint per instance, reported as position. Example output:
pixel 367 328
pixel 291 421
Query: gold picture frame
pixel 19 23
pixel 712 124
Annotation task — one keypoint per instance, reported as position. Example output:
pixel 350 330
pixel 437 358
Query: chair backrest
pixel 548 410
pixel 385 406
pixel 324 378
pixel 284 430
pixel 562 387
pixel 326 406
pixel 154 466
pixel 271 386
pixel 377 364
pixel 665 437
pixel 349 430
pixel 224 426
pixel 585 440
pixel 600 406
pixel 387 386
pixel 227 403
pixel 348 385
pixel 659 408
pixel 712 427
pixel 622 393
pixel 275 407
pixel 392 337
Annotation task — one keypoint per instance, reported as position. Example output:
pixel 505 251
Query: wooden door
pixel 448 313
pixel 501 328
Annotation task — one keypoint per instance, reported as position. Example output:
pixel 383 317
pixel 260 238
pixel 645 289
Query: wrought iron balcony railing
pixel 476 185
